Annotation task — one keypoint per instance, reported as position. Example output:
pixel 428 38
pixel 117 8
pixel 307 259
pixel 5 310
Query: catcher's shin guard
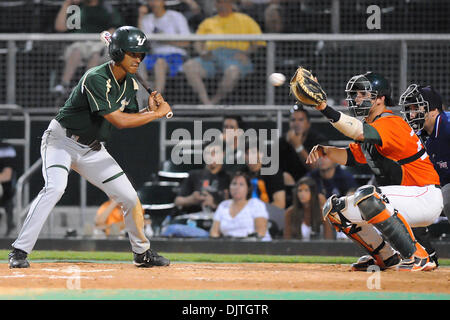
pixel 364 235
pixel 393 227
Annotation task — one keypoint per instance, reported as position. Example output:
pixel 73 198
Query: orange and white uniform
pixel 403 170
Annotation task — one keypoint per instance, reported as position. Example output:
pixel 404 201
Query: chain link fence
pixel 33 72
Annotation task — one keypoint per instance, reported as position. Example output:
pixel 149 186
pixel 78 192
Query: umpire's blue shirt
pixel 438 147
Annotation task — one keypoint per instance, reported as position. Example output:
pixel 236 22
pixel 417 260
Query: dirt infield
pixel 207 276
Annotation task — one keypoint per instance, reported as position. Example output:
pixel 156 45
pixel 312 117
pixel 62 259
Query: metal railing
pixel 12 112
pixel 21 205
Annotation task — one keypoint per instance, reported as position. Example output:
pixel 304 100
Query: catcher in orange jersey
pixel 407 192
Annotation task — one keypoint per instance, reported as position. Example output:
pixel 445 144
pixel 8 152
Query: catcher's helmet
pixel 125 39
pixel 416 101
pixel 372 85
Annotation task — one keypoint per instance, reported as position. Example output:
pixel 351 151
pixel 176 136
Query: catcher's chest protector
pixel 387 171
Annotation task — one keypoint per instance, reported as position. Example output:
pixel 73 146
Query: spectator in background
pixel 332 178
pixel 234 154
pixel 191 10
pixel 296 145
pixel 208 8
pixel 205 188
pixel 283 16
pixel 96 16
pixel 268 188
pixel 166 57
pixel 7 183
pixel 109 217
pixel 241 216
pixel 231 58
pixel 255 9
pixel 303 220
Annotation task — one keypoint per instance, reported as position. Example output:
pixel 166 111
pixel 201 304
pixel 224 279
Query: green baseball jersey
pixel 97 93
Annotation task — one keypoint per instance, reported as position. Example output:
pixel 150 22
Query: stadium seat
pixel 176 172
pixel 157 200
pixel 276 221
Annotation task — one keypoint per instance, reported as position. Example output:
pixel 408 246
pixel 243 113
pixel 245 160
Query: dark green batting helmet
pixel 127 39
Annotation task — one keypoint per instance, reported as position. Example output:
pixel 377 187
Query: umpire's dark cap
pixel 432 96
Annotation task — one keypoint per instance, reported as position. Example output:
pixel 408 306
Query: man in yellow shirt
pixel 228 57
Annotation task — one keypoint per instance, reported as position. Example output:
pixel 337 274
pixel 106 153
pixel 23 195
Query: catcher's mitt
pixel 306 88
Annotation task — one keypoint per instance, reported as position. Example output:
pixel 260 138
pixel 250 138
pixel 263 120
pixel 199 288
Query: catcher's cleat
pixel 149 259
pixel 417 264
pixel 419 261
pixel 366 261
pixel 18 259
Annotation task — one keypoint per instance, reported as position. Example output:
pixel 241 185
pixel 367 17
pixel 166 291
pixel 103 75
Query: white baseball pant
pixel 420 206
pixel 60 154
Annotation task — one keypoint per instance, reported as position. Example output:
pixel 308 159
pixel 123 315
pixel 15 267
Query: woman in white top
pixel 240 216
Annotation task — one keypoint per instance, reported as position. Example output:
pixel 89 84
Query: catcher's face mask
pixel 360 96
pixel 414 107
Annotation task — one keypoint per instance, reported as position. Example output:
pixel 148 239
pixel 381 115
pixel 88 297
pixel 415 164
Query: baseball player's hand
pixel 158 98
pixel 317 152
pixel 321 106
pixel 153 102
pixel 163 109
pixel 157 104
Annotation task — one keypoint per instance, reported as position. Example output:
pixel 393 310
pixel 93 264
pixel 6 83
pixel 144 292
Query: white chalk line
pixel 54 276
pixel 72 269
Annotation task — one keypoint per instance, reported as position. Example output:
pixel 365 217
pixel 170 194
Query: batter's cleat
pixel 149 259
pixel 367 261
pixel 417 264
pixel 18 259
pixel 434 257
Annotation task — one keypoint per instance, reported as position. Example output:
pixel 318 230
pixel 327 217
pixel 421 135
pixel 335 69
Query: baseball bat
pixel 149 90
pixel 105 36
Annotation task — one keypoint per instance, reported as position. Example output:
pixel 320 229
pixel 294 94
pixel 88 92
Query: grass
pixel 189 257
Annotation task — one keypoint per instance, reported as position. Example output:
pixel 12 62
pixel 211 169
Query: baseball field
pixel 73 275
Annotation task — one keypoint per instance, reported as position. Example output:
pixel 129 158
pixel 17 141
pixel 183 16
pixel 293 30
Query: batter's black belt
pixel 79 139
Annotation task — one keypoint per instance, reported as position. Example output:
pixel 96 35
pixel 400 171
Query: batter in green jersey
pixel 104 97
pixel 97 94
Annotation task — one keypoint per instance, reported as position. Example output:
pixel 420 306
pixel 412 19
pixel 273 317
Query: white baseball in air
pixel 277 79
